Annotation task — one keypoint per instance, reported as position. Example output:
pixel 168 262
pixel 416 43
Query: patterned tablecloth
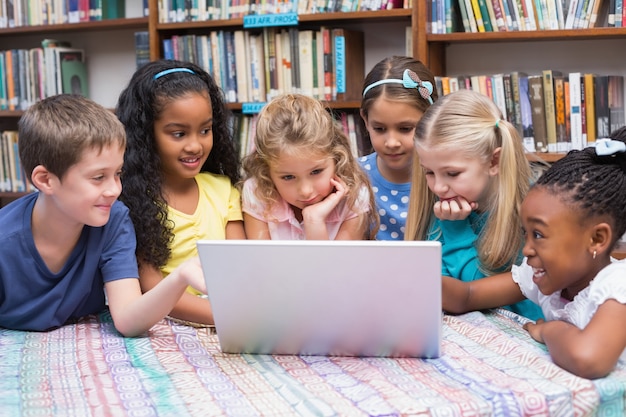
pixel 489 367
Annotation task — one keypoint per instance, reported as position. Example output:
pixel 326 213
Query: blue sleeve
pixel 117 257
pixel 459 257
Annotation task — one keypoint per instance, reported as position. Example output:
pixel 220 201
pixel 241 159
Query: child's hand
pixel 534 329
pixel 191 272
pixel 454 209
pixel 319 211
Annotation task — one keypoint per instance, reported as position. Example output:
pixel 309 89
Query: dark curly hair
pixel 595 185
pixel 138 106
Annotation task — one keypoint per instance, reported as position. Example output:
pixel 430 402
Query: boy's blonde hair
pixel 469 123
pixel 55 132
pixel 300 125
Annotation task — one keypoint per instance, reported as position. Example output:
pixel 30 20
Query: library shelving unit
pixel 94 38
pixel 592 50
pixel 360 20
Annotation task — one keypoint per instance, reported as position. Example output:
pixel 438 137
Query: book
pixel 498 94
pixel 484 12
pixel 590 112
pixel 257 68
pixel 601 100
pixel 50 63
pixel 241 66
pixel 571 14
pixel 348 63
pixel 464 16
pixel 286 61
pixel 271 68
pixel 583 110
pixel 550 111
pixel 516 98
pixel 535 91
pixel 305 47
pixel 12 74
pixel 562 138
pixel 73 71
pixel 616 102
pixel 142 48
pixel 526 113
pixel 319 64
pixel 576 133
pixel 493 17
pixel 113 9
pixel 480 25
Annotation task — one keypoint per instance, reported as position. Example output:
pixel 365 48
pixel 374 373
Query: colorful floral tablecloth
pixel 489 366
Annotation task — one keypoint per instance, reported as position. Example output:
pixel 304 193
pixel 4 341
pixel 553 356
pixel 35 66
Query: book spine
pixel 575 111
pixel 548 93
pixel 562 140
pixel 601 101
pixel 499 15
pixel 484 12
pixel 526 114
pixel 617 118
pixel 479 17
pixel 590 112
pixel 535 91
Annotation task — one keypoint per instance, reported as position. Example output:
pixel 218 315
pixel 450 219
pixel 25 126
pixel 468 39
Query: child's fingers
pixel 455 209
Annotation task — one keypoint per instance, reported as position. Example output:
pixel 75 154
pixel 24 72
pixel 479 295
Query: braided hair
pixel 593 184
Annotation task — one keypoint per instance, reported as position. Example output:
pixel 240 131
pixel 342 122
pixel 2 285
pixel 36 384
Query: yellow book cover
pixel 479 18
pixel 590 109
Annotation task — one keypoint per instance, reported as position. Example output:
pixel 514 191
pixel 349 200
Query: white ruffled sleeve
pixel 523 276
pixel 609 284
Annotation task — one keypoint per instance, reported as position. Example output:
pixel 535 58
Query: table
pixel 489 366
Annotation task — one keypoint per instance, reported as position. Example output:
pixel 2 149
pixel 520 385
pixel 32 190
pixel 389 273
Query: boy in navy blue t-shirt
pixel 67 244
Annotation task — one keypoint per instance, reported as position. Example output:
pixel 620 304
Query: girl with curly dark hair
pixel 180 171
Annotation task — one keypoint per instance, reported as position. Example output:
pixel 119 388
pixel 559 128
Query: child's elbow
pixel 588 365
pixel 127 329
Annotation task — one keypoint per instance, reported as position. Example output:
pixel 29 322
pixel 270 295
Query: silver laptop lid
pixel 348 298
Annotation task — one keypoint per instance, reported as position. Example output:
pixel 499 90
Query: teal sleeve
pixel 459 258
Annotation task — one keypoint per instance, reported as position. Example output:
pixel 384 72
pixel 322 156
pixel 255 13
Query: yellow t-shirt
pixel 219 203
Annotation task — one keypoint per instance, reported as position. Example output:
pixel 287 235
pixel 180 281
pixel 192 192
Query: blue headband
pixel 171 70
pixel 409 80
pixel 606 147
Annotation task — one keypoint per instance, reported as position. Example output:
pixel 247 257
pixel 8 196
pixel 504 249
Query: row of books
pixel 327 63
pixel 553 111
pixel 12 176
pixel 29 75
pixel 200 10
pixel 16 13
pixel 244 128
pixel 448 16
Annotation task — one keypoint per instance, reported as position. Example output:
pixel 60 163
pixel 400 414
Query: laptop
pixel 334 298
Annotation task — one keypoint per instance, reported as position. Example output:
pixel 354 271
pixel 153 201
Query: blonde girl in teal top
pixel 469 180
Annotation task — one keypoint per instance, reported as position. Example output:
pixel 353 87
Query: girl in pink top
pixel 302 181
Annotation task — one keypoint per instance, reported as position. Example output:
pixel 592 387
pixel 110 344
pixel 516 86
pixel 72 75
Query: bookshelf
pixel 391 22
pixel 592 50
pixel 110 57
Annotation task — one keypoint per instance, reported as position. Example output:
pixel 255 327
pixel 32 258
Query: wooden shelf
pixel 529 36
pixel 317 18
pixel 544 156
pixel 94 26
